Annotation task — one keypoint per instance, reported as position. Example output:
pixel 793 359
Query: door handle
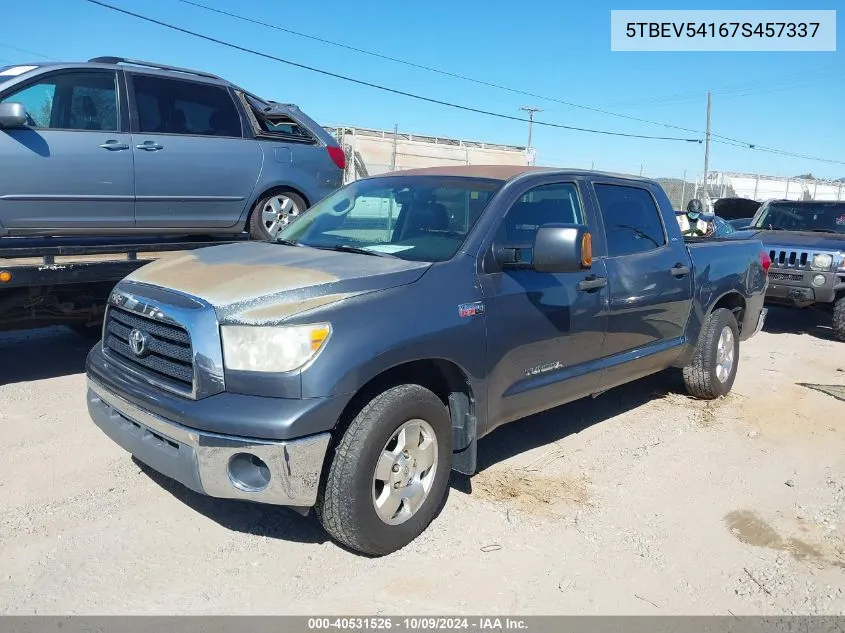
pixel 114 145
pixel 679 270
pixel 592 283
pixel 150 146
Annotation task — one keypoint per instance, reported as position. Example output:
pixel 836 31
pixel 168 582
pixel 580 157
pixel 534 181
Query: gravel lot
pixel 641 501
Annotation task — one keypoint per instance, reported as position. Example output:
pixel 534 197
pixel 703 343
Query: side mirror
pixel 557 248
pixel 12 115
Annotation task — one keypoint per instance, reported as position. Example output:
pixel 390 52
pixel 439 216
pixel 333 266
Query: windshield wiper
pixel 285 242
pixel 823 231
pixel 363 251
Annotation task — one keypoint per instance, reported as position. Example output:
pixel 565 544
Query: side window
pixel 174 106
pixel 71 101
pixel 631 219
pixel 557 202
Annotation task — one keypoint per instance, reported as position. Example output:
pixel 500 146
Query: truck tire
pixel 390 471
pixel 273 212
pixel 712 371
pixel 839 319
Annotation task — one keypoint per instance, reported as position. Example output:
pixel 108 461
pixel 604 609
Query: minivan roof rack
pixel 138 62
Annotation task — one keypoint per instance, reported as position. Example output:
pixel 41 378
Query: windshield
pixel 826 217
pixel 419 218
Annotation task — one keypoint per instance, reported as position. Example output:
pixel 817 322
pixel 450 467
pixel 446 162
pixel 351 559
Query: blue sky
pixel 789 101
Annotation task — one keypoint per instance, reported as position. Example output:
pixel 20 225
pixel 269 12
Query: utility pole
pixel 707 148
pixel 530 110
pixel 393 156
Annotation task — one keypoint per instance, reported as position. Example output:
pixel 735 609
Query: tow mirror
pixel 12 115
pixel 557 248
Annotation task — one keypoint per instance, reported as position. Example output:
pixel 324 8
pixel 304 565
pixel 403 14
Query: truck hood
pixel 799 239
pixel 260 282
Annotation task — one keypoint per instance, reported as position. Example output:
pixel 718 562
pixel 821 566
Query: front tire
pixel 274 212
pixel 390 472
pixel 712 371
pixel 839 319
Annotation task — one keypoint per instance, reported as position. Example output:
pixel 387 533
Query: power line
pixel 725 140
pixel 23 50
pixel 380 87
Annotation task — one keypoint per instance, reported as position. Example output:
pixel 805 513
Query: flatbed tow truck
pixel 48 281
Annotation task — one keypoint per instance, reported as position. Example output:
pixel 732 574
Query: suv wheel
pixel 390 472
pixel 712 371
pixel 273 212
pixel 839 319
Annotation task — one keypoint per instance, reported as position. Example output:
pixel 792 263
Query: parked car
pixel 119 146
pixel 357 361
pixel 806 243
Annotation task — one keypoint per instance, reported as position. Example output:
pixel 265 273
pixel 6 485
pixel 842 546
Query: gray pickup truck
pixel 353 364
pixel 805 240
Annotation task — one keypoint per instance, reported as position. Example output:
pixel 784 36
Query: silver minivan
pixel 120 146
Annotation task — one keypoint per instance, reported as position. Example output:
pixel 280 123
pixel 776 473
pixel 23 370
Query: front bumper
pixel 789 286
pixel 208 463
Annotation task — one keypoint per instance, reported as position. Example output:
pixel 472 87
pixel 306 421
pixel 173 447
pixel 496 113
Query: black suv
pixel 806 242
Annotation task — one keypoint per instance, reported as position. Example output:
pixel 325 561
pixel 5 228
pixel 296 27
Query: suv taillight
pixel 765 261
pixel 338 156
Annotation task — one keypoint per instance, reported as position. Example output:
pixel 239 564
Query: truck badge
pixel 138 342
pixel 470 309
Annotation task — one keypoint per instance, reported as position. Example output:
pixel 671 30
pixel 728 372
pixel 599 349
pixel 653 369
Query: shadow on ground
pixel 40 354
pixel 810 321
pixel 243 516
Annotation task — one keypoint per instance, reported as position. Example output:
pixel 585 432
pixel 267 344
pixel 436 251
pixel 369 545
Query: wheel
pixel 390 472
pixel 712 371
pixel 839 319
pixel 274 212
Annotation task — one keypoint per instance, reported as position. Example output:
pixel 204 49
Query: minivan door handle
pixel 150 146
pixel 114 145
pixel 592 283
pixel 679 270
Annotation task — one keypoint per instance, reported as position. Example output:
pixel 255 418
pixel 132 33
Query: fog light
pixel 818 280
pixel 248 473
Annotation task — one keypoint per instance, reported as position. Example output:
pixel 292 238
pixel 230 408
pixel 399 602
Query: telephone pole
pixel 530 110
pixel 707 148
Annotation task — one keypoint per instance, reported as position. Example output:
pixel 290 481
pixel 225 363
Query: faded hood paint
pixel 260 282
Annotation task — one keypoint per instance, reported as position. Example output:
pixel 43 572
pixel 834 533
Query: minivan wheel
pixel 714 365
pixel 273 212
pixel 390 472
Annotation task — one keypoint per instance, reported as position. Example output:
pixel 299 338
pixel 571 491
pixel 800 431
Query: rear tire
pixel 839 319
pixel 381 493
pixel 712 371
pixel 273 212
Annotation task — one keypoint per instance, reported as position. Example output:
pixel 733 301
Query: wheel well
pixel 270 191
pixel 734 302
pixel 442 377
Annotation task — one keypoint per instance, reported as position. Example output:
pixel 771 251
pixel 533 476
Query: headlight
pixel 821 262
pixel 272 348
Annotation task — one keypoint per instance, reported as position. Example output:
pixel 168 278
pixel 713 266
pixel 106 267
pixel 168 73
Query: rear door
pixel 649 283
pixel 71 168
pixel 194 168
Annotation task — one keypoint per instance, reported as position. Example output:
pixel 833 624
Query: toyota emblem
pixel 138 342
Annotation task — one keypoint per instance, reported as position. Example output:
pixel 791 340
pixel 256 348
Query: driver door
pixel 545 331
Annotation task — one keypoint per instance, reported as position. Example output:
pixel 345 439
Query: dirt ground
pixel 641 501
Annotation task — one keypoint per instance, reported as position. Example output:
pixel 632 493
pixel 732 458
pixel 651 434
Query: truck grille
pixel 786 277
pixel 167 356
pixel 782 258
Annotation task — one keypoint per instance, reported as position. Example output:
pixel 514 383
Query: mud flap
pixel 464 435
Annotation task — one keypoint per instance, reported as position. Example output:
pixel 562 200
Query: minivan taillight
pixel 765 261
pixel 338 156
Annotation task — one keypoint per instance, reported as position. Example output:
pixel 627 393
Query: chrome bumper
pixel 204 461
pixel 761 320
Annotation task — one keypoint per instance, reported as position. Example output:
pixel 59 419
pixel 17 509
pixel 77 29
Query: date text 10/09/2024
pixel 418 624
pixel 721 30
